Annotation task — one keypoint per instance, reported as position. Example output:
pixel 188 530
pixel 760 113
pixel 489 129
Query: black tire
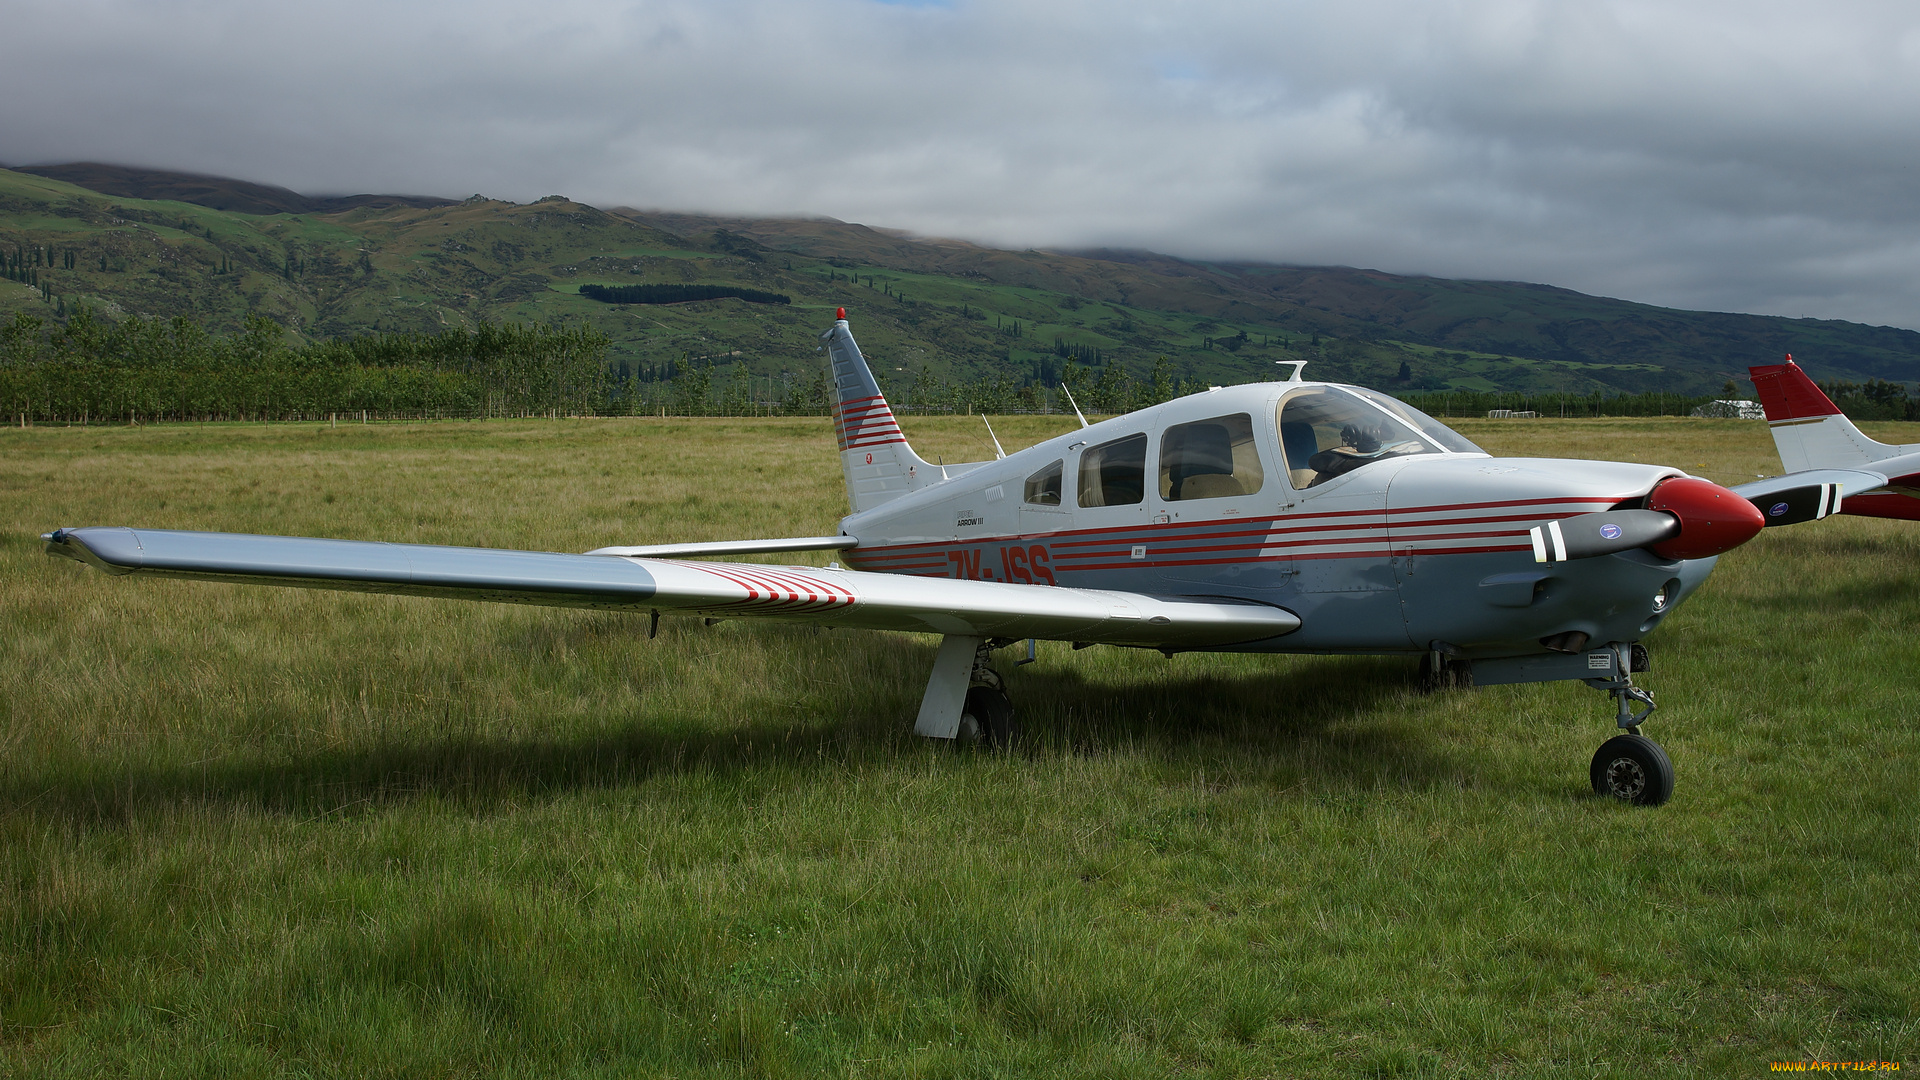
pixel 987 718
pixel 1452 675
pixel 1632 769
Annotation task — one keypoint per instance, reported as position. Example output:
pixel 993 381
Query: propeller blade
pixel 1809 502
pixel 1584 536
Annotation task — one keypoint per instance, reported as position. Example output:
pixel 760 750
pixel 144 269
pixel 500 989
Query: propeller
pixel 1585 535
pixel 1808 502
pixel 1685 518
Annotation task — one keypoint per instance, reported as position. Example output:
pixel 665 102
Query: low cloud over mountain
pixel 1751 157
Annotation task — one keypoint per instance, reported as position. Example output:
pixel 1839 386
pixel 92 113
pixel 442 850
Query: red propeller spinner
pixel 1712 519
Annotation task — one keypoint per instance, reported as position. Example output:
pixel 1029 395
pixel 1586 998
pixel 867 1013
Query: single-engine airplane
pixel 1283 517
pixel 1811 432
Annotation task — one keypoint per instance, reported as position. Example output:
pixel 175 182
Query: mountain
pixel 128 241
pixel 217 192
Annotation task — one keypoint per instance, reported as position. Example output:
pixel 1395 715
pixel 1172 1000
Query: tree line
pixel 139 369
pixel 88 369
pixel 1468 403
pixel 1875 399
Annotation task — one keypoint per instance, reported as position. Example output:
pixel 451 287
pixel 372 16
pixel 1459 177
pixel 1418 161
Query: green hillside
pixel 934 309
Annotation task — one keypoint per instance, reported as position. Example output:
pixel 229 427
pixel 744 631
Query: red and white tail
pixel 1809 430
pixel 879 465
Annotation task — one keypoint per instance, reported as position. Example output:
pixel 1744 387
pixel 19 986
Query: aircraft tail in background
pixel 1811 432
pixel 879 465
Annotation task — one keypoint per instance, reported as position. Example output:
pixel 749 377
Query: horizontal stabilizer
pixel 824 596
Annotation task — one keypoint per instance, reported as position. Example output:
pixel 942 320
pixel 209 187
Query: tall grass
pixel 270 832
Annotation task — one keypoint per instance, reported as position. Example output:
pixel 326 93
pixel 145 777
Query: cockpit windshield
pixel 1434 430
pixel 1327 432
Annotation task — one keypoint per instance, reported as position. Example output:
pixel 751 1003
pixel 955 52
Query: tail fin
pixel 879 465
pixel 1808 429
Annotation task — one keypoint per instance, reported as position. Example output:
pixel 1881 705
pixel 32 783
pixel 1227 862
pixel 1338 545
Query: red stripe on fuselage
pixel 1344 534
pixel 1262 527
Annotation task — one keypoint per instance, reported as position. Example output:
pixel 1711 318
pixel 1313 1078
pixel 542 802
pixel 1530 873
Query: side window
pixel 1210 459
pixel 1043 487
pixel 1114 473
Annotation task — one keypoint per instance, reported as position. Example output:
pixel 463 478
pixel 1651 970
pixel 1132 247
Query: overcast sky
pixel 1744 156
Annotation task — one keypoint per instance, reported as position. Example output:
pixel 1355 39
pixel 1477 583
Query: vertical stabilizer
pixel 879 465
pixel 1808 429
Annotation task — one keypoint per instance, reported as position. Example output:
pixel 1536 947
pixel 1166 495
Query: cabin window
pixel 1326 433
pixel 1043 487
pixel 1114 473
pixel 1209 459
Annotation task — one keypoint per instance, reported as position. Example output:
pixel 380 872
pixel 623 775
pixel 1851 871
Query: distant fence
pixel 1460 404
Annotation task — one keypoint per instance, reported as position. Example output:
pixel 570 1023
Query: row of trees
pixel 174 369
pixel 1875 399
pixel 88 369
pixel 1444 403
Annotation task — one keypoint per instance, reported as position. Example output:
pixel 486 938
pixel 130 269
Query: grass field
pixel 269 832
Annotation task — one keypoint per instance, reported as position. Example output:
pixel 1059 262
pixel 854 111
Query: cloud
pixel 1754 156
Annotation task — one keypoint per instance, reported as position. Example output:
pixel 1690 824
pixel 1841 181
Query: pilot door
pixel 1213 504
pixel 1334 520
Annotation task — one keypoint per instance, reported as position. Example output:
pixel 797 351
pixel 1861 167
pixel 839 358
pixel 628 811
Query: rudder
pixel 1808 429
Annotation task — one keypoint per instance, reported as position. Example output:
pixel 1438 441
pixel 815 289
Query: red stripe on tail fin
pixel 1787 394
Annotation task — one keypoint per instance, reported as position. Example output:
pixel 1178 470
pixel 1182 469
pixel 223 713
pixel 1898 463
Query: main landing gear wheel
pixel 1633 769
pixel 1439 671
pixel 987 718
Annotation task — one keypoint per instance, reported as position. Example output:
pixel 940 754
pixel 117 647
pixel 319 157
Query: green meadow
pixel 281 833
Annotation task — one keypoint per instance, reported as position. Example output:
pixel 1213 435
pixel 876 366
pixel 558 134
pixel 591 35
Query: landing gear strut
pixel 987 716
pixel 965 698
pixel 1630 767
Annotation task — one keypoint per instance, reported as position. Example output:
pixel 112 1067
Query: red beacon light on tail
pixel 840 314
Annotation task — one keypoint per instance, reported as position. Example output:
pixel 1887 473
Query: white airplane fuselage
pixel 1391 556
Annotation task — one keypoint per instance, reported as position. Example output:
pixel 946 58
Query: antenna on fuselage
pixel 997 452
pixel 1075 404
pixel 1298 367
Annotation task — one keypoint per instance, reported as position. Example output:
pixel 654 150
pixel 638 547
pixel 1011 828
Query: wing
pixel 831 597
pixel 732 547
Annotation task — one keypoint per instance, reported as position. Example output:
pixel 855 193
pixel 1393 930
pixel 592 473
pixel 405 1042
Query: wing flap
pixel 832 597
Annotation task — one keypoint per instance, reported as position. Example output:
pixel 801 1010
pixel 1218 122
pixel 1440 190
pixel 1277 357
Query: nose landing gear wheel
pixel 987 718
pixel 1633 769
